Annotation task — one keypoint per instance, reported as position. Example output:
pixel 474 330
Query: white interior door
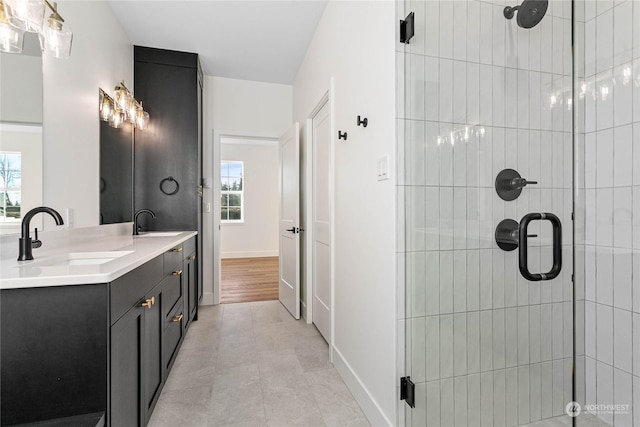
pixel 321 218
pixel 290 220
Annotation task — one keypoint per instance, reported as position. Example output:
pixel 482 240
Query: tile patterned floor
pixel 252 364
pixel 584 420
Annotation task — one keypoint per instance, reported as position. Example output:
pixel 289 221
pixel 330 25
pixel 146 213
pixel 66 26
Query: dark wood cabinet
pixel 192 282
pixel 150 334
pixel 102 349
pixel 168 155
pixel 126 364
pixel 54 353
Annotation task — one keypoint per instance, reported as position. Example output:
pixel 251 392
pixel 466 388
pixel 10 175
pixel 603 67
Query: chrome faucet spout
pixel 25 244
pixel 135 219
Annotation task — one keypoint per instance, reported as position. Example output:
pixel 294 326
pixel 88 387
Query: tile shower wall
pixel 609 128
pixel 483 345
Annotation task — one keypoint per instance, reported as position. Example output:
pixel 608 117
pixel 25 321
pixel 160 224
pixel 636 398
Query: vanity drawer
pixel 171 291
pixel 173 259
pixel 172 335
pixel 126 291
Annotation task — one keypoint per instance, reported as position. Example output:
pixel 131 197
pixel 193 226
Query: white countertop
pixel 47 268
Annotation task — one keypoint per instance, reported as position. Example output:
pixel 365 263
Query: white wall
pixel 101 56
pixel 354 44
pixel 257 235
pixel 608 128
pixel 20 88
pixel 240 108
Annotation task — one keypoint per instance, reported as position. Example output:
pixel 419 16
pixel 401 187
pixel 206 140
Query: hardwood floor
pixel 249 279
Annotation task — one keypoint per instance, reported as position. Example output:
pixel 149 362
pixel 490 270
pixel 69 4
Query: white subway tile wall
pixel 478 94
pixel 608 89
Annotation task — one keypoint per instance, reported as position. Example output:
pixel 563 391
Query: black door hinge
pixel 406 28
pixel 407 391
pixel 573 216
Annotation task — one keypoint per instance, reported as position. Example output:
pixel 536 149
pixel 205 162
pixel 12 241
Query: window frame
pixel 232 192
pixel 5 189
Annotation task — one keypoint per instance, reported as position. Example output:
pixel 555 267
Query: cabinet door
pixel 192 289
pixel 126 362
pixel 174 140
pixel 152 372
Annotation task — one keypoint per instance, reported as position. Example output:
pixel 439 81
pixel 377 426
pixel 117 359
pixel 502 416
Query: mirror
pixel 21 159
pixel 116 173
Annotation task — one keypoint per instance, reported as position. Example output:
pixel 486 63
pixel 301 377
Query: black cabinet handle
pixel 523 250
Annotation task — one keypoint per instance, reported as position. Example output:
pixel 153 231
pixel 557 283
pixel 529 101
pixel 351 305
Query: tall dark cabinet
pixel 168 155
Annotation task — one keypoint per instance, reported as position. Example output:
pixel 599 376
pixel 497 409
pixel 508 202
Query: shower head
pixel 530 12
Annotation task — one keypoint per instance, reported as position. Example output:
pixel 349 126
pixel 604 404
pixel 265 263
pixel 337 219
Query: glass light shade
pixel 17 12
pixel 132 110
pixel 106 108
pixel 117 118
pixel 56 43
pixel 11 38
pixel 26 15
pixel 122 98
pixel 142 119
pixel 35 16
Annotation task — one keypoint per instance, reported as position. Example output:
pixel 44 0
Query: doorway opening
pixel 249 252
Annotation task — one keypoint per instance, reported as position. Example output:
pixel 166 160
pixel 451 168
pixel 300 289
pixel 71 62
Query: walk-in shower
pixel 519 212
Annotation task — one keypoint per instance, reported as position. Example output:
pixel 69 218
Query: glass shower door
pixel 485 136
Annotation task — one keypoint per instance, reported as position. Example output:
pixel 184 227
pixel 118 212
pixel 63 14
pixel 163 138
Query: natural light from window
pixel 232 191
pixel 10 186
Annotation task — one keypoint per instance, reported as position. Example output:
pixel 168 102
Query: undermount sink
pixel 86 258
pixel 160 234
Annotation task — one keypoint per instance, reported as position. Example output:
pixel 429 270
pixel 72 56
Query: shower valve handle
pixel 509 184
pixel 521 182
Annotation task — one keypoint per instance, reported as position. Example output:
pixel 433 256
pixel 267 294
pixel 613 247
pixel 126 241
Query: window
pixel 10 185
pixel 232 194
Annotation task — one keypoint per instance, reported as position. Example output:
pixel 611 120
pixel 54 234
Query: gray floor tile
pixel 188 408
pixel 252 364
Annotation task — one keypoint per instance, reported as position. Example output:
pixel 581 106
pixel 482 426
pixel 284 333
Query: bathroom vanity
pixel 89 336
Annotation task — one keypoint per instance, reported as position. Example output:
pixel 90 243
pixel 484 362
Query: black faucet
pixel 135 219
pixel 25 244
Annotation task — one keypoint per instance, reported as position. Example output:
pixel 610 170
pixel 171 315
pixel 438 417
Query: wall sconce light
pixel 122 107
pixel 18 16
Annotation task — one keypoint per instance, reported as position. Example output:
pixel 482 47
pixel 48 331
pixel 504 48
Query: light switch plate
pixel 383 168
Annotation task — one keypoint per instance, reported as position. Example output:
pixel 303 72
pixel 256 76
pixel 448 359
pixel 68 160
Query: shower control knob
pixel 509 184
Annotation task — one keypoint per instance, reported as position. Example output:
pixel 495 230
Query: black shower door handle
pixel 557 246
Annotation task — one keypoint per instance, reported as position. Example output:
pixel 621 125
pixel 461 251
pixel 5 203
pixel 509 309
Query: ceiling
pixel 260 40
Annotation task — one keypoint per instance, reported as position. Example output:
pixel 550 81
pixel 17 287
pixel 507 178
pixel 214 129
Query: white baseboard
pixel 207 298
pixel 367 403
pixel 249 254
